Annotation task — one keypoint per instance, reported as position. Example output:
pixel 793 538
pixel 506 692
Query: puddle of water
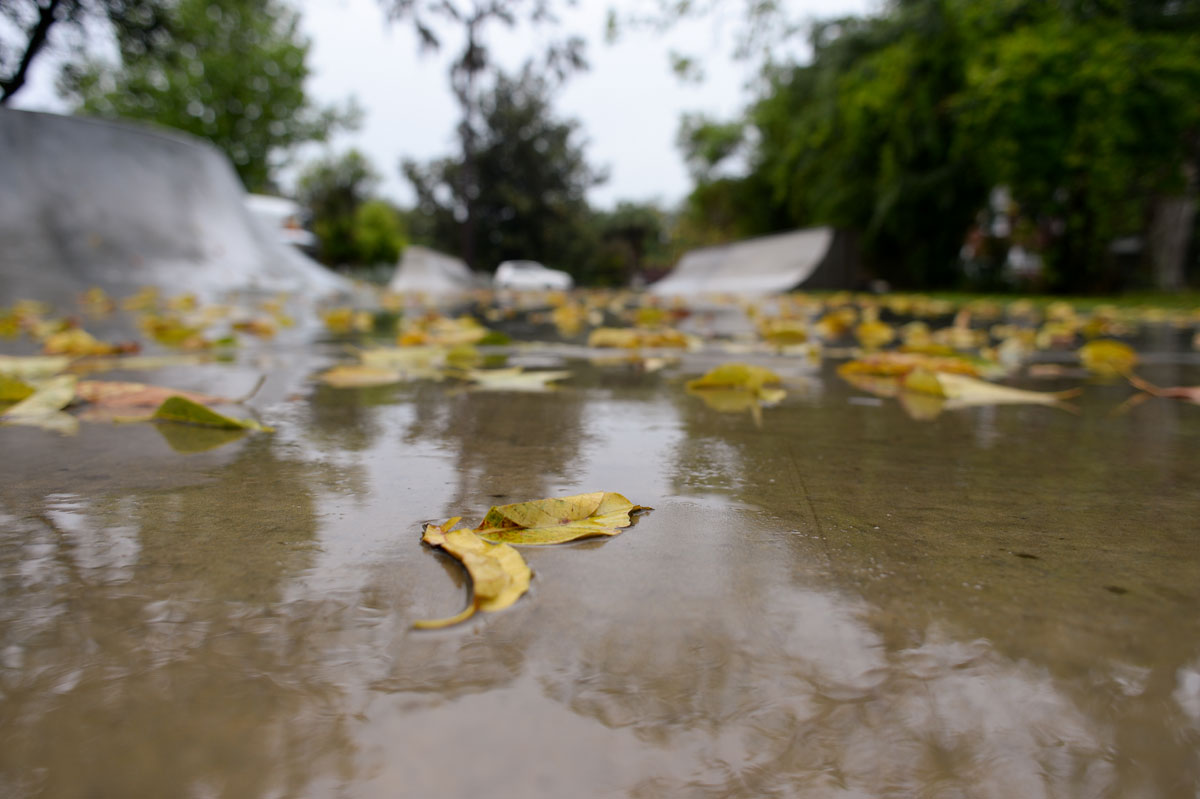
pixel 837 600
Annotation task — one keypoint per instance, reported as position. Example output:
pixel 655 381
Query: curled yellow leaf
pixel 499 575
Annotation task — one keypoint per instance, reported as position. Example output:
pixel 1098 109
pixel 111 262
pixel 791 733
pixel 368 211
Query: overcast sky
pixel 629 102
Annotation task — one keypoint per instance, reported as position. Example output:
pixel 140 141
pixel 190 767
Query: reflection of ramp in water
pixel 427 271
pixel 85 202
pixel 762 266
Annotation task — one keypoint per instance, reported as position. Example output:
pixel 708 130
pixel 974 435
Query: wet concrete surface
pixel 835 601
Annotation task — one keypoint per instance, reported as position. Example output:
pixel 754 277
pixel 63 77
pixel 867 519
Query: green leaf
pixel 184 411
pixel 50 397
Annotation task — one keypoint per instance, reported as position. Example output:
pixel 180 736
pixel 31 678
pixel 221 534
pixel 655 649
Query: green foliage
pixel 903 121
pixel 863 139
pixel 631 241
pixel 378 233
pixel 520 194
pixel 706 143
pixel 26 27
pixel 233 72
pixel 1088 124
pixel 351 227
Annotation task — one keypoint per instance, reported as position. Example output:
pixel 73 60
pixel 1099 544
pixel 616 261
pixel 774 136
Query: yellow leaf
pixel 556 521
pixel 360 376
pixel 29 366
pixel 873 334
pixel 1108 357
pixel 736 375
pixel 499 575
pixel 923 382
pixel 13 389
pixel 894 364
pixel 77 341
pixel 962 391
pixel 783 332
pixel 633 338
pixel 514 379
pixel 50 397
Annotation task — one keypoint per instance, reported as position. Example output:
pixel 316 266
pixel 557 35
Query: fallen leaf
pixel 514 378
pixel 783 332
pixel 117 393
pixel 736 375
pixel 77 341
pixel 556 521
pixel 182 410
pixel 14 389
pixel 137 363
pixel 895 364
pixel 51 396
pixel 636 338
pixel 1108 357
pixel 56 422
pixel 346 320
pixel 1186 393
pixel 359 376
pixel 962 390
pixel 879 385
pixel 30 366
pixel 873 334
pixel 499 575
pixel 738 387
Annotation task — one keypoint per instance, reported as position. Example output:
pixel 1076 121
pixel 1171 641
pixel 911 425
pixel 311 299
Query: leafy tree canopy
pixel 902 121
pixel 234 73
pixel 353 227
pixel 524 189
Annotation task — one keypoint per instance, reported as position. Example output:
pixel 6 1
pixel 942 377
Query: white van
pixel 530 276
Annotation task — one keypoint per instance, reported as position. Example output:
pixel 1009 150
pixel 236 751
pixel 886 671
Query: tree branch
pixel 38 35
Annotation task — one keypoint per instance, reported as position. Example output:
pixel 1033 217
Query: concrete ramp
pixel 766 265
pixel 86 202
pixel 426 271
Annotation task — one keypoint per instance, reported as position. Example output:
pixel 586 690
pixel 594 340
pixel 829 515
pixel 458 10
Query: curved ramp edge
pixel 766 265
pixel 87 202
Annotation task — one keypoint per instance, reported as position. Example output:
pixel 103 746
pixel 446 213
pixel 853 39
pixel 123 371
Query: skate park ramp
pixel 426 271
pixel 814 258
pixel 87 202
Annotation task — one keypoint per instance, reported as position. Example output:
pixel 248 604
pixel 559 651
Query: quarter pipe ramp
pixel 86 202
pixel 767 265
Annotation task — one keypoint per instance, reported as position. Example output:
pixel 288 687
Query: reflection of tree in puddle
pixel 808 701
pixel 144 652
pixel 438 667
pixel 509 445
pixel 347 418
pixel 1027 530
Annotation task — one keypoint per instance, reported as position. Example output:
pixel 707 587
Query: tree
pixel 523 193
pixel 469 70
pixel 631 242
pixel 234 74
pixel 863 138
pixel 1094 125
pixel 378 233
pixel 903 121
pixel 33 24
pixel 352 227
